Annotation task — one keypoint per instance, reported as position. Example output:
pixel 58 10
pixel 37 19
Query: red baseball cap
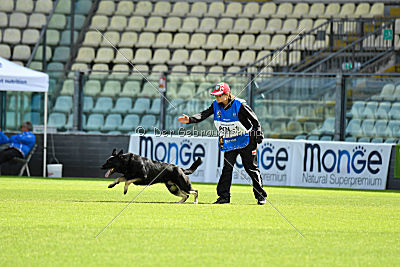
pixel 220 89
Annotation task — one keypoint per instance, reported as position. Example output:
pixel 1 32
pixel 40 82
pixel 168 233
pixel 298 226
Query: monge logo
pixel 170 152
pixel 355 160
pixel 269 156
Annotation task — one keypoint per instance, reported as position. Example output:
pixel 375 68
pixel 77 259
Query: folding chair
pixel 25 162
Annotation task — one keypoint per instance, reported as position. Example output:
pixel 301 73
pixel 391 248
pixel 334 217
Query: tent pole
pixel 45 135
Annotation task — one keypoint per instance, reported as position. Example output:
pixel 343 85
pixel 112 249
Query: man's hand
pixel 259 138
pixel 184 118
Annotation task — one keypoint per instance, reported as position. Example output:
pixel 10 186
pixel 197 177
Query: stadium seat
pixel 99 71
pixel 3 20
pixel 92 88
pixel 156 72
pixel 356 110
pixel 370 110
pixel 179 57
pixel 190 24
pixel 21 52
pixel 103 105
pixel 136 23
pixel 196 57
pixel 106 8
pixel 119 72
pixel 150 90
pixel 331 11
pixel 172 24
pixel 257 26
pixel 347 10
pixel 231 57
pixel 233 10
pixel 377 140
pixel 394 112
pixel 154 24
pixel 250 10
pixel 104 55
pixel 367 127
pixel 148 122
pixel 128 39
pixel 377 10
pixel 11 36
pixel 99 22
pixel 386 93
pixel 7 5
pixel 354 128
pixel 83 6
pixel 242 25
pixel 85 54
pixel 278 41
pixel 146 39
pixel 138 71
pixel 316 10
pixel 394 128
pixel 112 122
pixel 197 41
pixel 67 88
pixel 161 9
pixel 300 10
pixel 380 129
pixel 180 9
pixel 362 10
pixel 274 25
pixel 267 10
pixel 141 105
pixel 18 20
pixel 95 122
pixel 87 104
pixel 123 56
pixel 110 38
pixel 57 120
pixel 161 56
pixel 246 42
pixel 130 122
pixel 66 37
pixel 111 89
pixel 35 21
pixel 198 9
pixel 155 107
pixel 214 40
pixel 63 104
pixel 224 25
pixel 130 89
pixel 207 25
pixel 214 57
pixel 180 40
pixel 124 8
pixel 61 54
pixel 284 10
pixel 383 110
pixel 262 42
pixel 123 105
pixel 163 40
pixel 143 56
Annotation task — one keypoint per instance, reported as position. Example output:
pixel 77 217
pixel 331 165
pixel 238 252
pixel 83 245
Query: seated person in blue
pixel 20 144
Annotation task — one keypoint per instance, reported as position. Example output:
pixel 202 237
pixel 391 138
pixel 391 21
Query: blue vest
pixel 232 133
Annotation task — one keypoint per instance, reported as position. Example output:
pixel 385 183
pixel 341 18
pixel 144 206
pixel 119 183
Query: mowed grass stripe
pixel 54 221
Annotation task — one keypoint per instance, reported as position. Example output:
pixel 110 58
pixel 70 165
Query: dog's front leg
pixel 128 183
pixel 117 181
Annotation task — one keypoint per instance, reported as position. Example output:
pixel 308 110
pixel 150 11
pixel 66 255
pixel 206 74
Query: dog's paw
pixel 195 202
pixel 111 185
pixel 125 191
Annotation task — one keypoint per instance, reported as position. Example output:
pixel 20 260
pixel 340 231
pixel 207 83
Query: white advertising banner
pixel 281 162
pixel 340 165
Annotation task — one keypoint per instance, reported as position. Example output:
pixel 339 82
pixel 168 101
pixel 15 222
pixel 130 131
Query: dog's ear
pixel 121 152
pixel 114 152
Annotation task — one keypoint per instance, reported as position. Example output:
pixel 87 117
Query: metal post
pixel 44 61
pixel 78 102
pixel 250 90
pixel 3 103
pixel 72 26
pixel 340 108
pixel 163 90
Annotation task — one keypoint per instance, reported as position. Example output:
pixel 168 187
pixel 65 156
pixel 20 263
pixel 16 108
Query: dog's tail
pixel 193 167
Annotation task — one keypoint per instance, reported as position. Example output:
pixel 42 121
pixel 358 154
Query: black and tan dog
pixel 139 170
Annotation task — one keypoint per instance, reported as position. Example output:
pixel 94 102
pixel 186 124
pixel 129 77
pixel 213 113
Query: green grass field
pixel 54 222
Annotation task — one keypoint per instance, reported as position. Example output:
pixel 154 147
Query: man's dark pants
pixel 250 164
pixel 8 154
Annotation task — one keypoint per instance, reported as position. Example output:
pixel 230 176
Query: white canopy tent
pixel 14 77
